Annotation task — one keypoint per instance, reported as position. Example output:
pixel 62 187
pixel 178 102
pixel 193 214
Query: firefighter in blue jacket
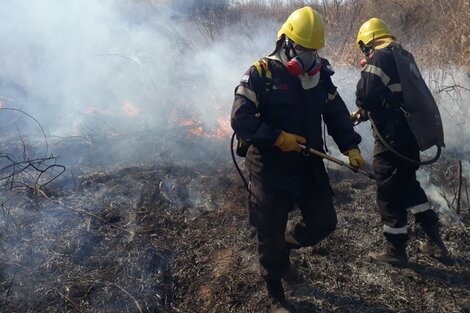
pixel 380 96
pixel 279 104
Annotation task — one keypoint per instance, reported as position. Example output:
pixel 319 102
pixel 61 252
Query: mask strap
pixel 315 67
pixel 289 49
pixel 365 49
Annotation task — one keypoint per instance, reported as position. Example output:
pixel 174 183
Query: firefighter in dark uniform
pixel 379 93
pixel 279 104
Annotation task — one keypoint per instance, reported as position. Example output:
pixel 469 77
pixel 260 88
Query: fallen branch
pixel 459 186
pixel 9 288
pixel 39 124
pixel 466 192
pixel 59 202
pixel 10 172
pixel 128 294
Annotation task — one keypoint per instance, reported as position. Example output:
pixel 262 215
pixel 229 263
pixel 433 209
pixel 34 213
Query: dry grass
pixel 437 31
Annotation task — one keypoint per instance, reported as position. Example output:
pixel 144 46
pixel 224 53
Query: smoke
pixel 107 68
pixel 65 62
pixel 451 88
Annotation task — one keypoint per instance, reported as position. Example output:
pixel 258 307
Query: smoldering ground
pixel 150 216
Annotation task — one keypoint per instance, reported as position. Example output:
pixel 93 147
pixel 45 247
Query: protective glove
pixel 359 116
pixel 288 142
pixel 355 158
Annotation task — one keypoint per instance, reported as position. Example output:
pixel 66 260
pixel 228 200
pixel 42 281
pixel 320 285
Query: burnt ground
pixel 174 237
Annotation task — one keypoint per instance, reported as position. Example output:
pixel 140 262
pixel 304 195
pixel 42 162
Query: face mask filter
pixel 305 62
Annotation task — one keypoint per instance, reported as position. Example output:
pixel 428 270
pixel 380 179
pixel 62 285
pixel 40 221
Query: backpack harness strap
pixel 262 66
pixel 265 73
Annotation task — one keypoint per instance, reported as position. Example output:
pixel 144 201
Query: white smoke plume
pixel 107 67
pixel 112 67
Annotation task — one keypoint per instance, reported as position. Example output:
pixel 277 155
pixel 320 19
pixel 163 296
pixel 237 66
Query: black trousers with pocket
pixel 269 207
pixel 398 190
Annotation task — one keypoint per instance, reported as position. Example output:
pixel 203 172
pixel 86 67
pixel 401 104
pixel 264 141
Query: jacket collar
pixel 382 43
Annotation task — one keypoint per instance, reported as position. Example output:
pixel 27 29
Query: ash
pixel 172 236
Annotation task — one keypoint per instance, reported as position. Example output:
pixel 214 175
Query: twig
pixel 39 124
pixel 459 186
pixel 9 288
pixel 53 178
pixel 443 195
pixel 10 171
pixel 6 215
pixel 68 299
pixel 121 56
pixel 17 264
pixel 127 293
pixel 466 192
pixel 80 211
pixel 451 88
pixel 22 142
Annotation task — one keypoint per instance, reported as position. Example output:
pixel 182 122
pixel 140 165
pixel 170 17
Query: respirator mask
pixel 301 60
pixel 368 52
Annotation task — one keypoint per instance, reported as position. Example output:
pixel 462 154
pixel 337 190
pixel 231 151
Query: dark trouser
pixel 269 208
pixel 397 192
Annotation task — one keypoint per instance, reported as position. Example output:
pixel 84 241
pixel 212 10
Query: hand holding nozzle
pixel 358 116
pixel 288 142
pixel 337 161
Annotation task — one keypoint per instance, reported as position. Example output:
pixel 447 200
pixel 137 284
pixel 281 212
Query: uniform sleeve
pixel 246 120
pixel 338 121
pixel 372 86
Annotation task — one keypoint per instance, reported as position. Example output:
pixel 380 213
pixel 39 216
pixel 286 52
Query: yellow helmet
pixel 305 27
pixel 372 29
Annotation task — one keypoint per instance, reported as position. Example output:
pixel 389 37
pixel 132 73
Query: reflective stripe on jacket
pixel 259 116
pixel 379 91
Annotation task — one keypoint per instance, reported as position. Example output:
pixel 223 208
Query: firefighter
pixel 379 95
pixel 278 106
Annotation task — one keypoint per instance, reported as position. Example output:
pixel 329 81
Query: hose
pixel 398 154
pixel 236 164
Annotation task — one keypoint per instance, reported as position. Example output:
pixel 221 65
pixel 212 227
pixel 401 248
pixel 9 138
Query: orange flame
pixel 224 130
pixel 130 109
pixel 3 101
pixel 91 110
pixel 196 128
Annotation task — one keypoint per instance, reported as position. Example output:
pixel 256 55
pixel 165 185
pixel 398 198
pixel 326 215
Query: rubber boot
pixel 435 247
pixel 394 254
pixel 277 298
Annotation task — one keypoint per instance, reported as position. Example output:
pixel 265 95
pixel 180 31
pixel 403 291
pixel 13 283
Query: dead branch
pixel 451 88
pixel 443 195
pixel 128 294
pixel 37 122
pixel 40 167
pixel 9 288
pixel 459 186
pixel 78 210
pixel 466 192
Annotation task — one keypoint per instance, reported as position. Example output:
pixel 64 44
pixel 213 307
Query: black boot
pixel 277 298
pixel 434 246
pixel 291 275
pixel 394 254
